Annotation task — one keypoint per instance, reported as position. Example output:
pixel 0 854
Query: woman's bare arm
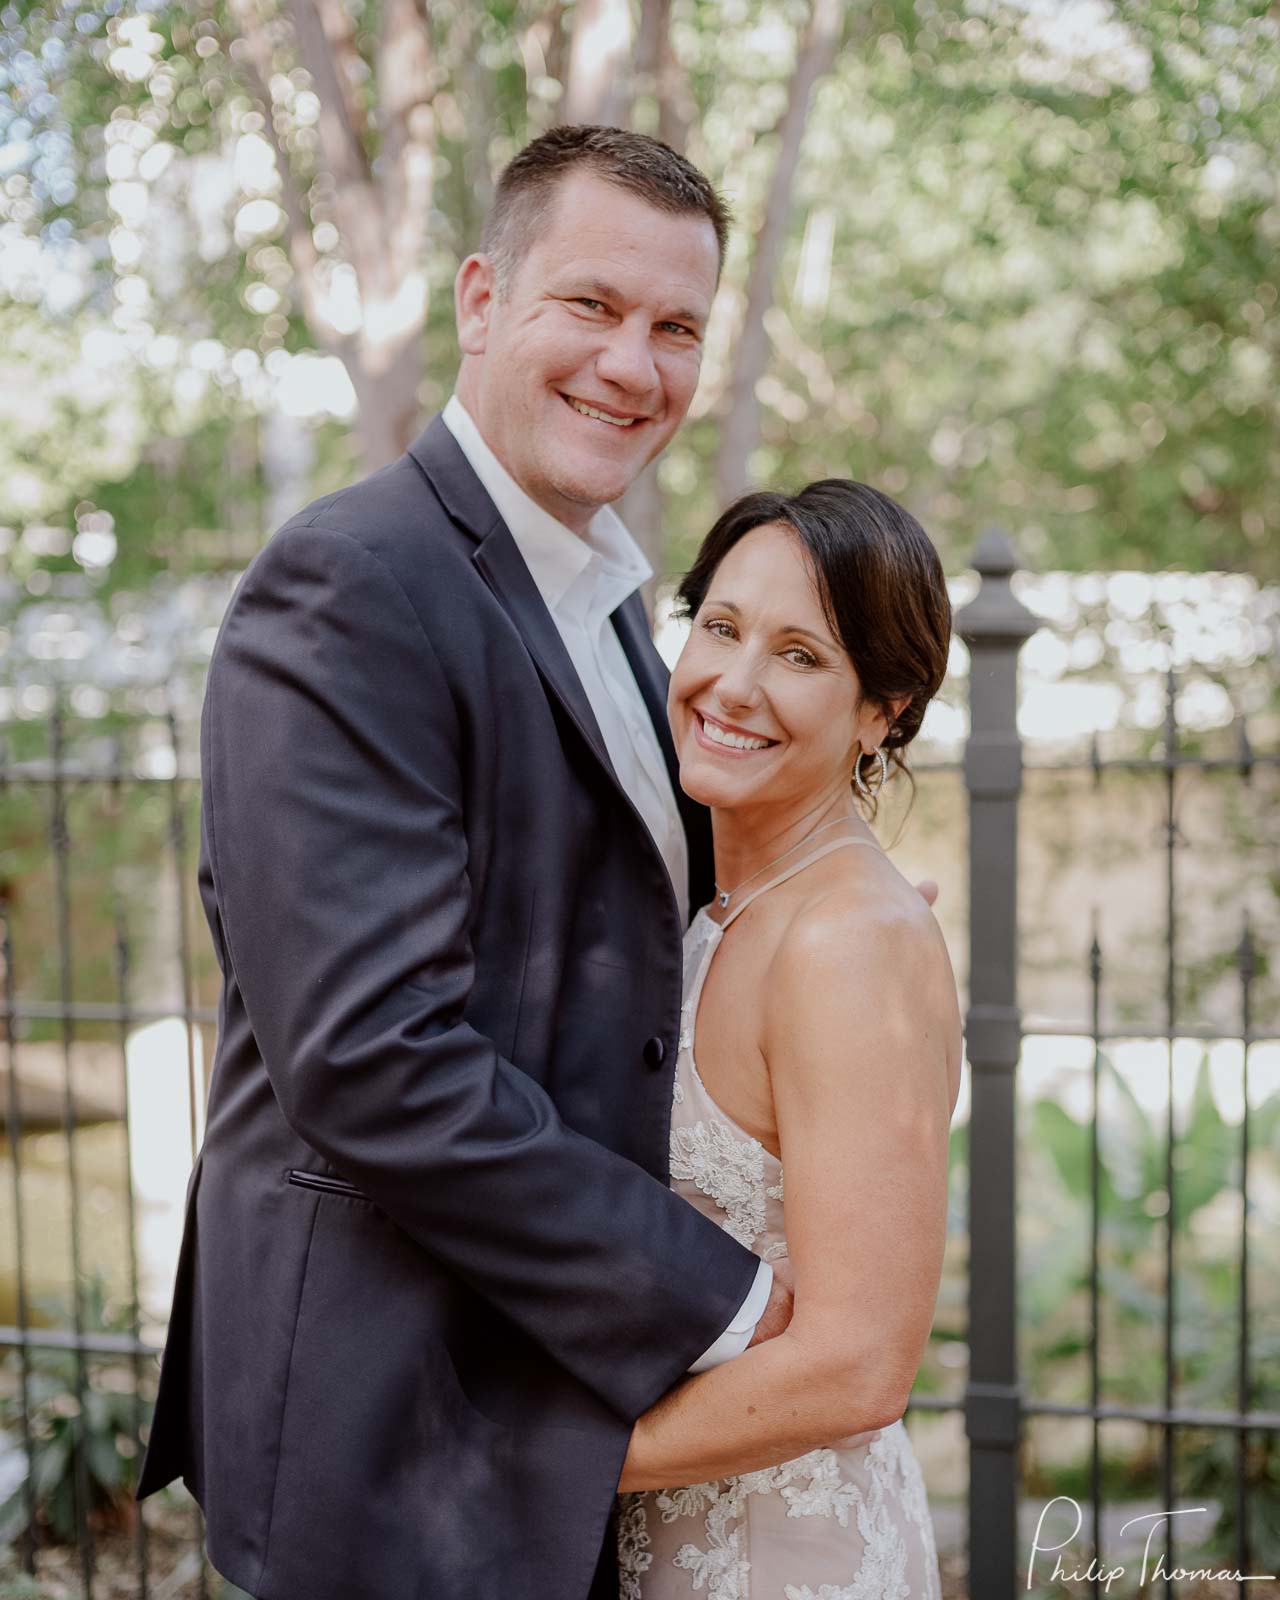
pixel 861 1037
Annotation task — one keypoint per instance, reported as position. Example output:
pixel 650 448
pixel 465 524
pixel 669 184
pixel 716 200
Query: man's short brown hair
pixel 633 161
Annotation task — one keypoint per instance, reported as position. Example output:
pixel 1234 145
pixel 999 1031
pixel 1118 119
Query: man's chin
pixel 589 491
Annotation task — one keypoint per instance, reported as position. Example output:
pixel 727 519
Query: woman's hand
pixel 776 1317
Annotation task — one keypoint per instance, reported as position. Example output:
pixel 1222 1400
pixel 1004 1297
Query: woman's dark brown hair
pixel 880 583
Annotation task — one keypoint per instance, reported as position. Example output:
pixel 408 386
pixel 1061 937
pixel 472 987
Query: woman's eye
pixel 801 656
pixel 718 626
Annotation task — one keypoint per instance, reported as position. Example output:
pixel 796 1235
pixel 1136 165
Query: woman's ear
pixel 896 707
pixel 876 729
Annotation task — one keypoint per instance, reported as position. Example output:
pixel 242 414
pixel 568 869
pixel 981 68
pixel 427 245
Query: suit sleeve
pixel 332 794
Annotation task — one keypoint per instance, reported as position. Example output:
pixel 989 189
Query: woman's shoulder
pixel 861 956
pixel 861 915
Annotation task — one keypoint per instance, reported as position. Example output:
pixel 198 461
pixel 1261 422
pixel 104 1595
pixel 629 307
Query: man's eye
pixel 592 305
pixel 678 327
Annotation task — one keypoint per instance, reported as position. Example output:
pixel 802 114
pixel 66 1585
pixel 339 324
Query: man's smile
pixel 599 413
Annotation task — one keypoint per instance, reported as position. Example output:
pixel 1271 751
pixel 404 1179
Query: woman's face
pixel 764 703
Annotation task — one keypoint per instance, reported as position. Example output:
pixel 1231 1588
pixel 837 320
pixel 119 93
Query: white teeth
pixel 590 411
pixel 735 741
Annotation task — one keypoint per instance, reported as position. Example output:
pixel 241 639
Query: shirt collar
pixel 555 556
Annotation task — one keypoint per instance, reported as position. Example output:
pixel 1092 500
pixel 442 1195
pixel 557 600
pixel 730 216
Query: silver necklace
pixel 723 896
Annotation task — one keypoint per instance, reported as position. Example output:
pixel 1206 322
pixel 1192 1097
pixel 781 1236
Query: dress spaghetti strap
pixel 796 866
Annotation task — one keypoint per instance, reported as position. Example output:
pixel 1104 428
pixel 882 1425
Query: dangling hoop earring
pixel 863 788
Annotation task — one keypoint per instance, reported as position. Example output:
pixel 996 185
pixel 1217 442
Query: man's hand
pixel 928 891
pixel 777 1314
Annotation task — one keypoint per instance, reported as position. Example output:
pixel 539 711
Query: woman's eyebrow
pixel 728 605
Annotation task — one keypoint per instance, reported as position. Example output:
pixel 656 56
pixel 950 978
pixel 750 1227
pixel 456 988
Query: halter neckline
pixel 706 947
pixel 788 872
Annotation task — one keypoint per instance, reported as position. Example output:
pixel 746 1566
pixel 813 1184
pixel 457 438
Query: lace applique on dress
pixel 726 1169
pixel 827 1494
pixel 633 1547
pixel 915 1499
pixel 811 1486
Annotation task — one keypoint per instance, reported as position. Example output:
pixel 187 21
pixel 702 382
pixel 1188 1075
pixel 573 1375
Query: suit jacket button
pixel 655 1053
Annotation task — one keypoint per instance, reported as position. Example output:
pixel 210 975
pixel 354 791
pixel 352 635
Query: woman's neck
pixel 749 838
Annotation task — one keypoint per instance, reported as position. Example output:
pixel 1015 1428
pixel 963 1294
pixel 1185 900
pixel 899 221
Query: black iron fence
pixel 96 828
pixel 65 788
pixel 995 626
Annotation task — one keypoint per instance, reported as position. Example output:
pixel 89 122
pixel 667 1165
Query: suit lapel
pixel 631 624
pixel 503 568
pixel 498 560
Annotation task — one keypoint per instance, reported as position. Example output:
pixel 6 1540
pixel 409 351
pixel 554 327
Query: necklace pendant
pixel 724 897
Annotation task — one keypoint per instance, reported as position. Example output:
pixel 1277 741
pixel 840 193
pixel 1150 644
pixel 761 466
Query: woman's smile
pixel 726 738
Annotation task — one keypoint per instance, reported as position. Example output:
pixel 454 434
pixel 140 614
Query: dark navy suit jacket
pixel 431 1270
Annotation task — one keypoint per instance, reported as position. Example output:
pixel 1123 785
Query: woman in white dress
pixel 820 1036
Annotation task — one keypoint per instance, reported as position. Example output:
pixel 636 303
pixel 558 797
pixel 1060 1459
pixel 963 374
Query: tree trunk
pixel 381 207
pixel 741 426
pixel 658 75
pixel 597 90
pixel 388 417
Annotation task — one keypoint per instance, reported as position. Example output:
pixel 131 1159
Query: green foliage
pixel 1053 1293
pixel 1031 277
pixel 97 1435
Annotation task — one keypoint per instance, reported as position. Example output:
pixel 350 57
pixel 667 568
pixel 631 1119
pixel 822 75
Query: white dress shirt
pixel 583 580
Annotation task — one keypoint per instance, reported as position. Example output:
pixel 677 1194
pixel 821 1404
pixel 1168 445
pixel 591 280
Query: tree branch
pixel 741 425
pixel 351 66
pixel 255 63
pixel 339 126
pixel 406 84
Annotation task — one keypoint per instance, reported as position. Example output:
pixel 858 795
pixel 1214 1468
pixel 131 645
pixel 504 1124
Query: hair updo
pixel 880 583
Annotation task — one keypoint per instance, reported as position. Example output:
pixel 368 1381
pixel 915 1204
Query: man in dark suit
pixel 431 1270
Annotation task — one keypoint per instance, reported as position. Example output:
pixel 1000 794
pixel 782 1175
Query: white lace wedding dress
pixel 849 1521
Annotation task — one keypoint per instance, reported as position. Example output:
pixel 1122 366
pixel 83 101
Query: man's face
pixel 606 312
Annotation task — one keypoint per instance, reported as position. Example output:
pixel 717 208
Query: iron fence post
pixel 994 625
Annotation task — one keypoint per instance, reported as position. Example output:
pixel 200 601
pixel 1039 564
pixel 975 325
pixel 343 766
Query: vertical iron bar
pixel 177 843
pixel 1171 1006
pixel 60 840
pixel 1095 1210
pixel 14 1121
pixel 135 1313
pixel 995 626
pixel 1244 1382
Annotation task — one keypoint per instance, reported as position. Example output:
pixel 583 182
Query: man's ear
pixel 473 295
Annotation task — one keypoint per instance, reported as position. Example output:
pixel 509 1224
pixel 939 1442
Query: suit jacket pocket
pixel 326 1183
